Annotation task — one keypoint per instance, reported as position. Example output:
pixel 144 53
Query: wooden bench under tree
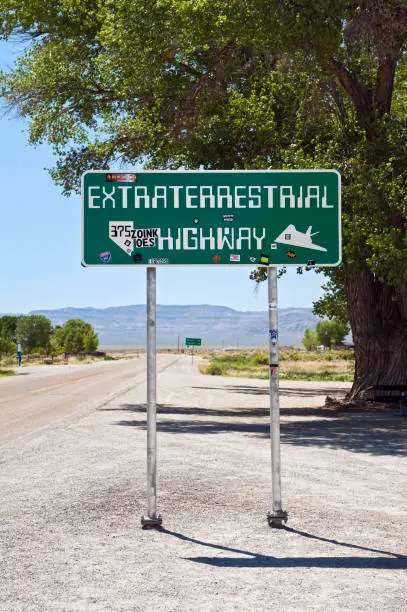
pixel 389 393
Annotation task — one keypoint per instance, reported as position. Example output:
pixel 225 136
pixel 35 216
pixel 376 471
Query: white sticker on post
pixel 273 306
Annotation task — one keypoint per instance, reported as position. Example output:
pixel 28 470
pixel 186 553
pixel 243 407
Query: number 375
pixel 117 231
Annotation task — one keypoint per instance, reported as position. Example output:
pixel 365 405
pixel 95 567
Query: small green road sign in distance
pixel 249 217
pixel 193 342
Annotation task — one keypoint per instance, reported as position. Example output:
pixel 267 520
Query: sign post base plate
pixel 151 522
pixel 276 519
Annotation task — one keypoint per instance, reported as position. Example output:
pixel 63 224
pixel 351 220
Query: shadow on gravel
pixel 393 561
pixel 373 434
pixel 228 412
pixel 249 390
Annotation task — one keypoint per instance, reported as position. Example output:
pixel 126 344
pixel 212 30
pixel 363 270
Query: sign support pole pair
pixel 277 515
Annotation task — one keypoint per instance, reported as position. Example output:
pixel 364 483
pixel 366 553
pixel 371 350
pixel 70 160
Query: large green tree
pixel 331 333
pixel 75 336
pixel 8 325
pixel 33 331
pixel 233 84
pixel 7 347
pixel 310 339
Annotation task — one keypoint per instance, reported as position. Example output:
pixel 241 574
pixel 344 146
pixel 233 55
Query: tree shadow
pixel 284 392
pixel 248 559
pixel 227 412
pixel 376 435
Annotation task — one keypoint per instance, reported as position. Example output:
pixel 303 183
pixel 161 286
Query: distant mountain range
pixel 218 326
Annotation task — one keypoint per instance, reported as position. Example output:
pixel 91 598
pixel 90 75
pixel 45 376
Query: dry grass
pixel 293 365
pixel 7 372
pixel 36 360
pixel 335 367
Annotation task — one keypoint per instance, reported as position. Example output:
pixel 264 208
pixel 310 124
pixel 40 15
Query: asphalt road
pixel 39 397
pixel 72 479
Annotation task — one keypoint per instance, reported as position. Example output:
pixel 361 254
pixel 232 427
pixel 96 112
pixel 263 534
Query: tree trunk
pixel 378 318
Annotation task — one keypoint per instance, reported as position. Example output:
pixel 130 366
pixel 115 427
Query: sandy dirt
pixel 73 473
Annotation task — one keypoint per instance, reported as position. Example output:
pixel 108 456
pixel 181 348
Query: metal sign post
pixel 152 520
pixel 277 515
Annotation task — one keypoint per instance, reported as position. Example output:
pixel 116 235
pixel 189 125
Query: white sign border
pixel 207 265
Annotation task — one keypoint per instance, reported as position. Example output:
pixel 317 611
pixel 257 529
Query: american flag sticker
pixel 235 258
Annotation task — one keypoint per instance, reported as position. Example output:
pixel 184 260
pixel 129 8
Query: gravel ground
pixel 73 495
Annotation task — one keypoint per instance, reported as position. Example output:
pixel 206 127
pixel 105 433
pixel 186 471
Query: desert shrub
pixel 8 361
pixel 39 351
pixel 348 355
pixel 324 375
pixel 235 361
pixel 260 359
pixel 294 356
pixel 216 369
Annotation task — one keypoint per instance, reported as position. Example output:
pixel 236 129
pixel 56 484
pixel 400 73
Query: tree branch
pixel 384 84
pixel 360 95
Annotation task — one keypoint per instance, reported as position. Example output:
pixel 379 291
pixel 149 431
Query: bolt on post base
pixel 276 519
pixel 151 522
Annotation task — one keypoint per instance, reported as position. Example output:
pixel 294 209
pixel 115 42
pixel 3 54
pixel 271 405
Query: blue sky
pixel 41 251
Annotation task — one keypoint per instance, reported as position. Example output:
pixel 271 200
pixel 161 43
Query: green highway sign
pixel 193 341
pixel 248 217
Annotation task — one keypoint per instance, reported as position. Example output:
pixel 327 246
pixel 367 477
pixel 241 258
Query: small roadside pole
pixel 190 343
pixel 211 218
pixel 277 515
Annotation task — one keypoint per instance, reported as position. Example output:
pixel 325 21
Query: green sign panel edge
pixel 253 262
